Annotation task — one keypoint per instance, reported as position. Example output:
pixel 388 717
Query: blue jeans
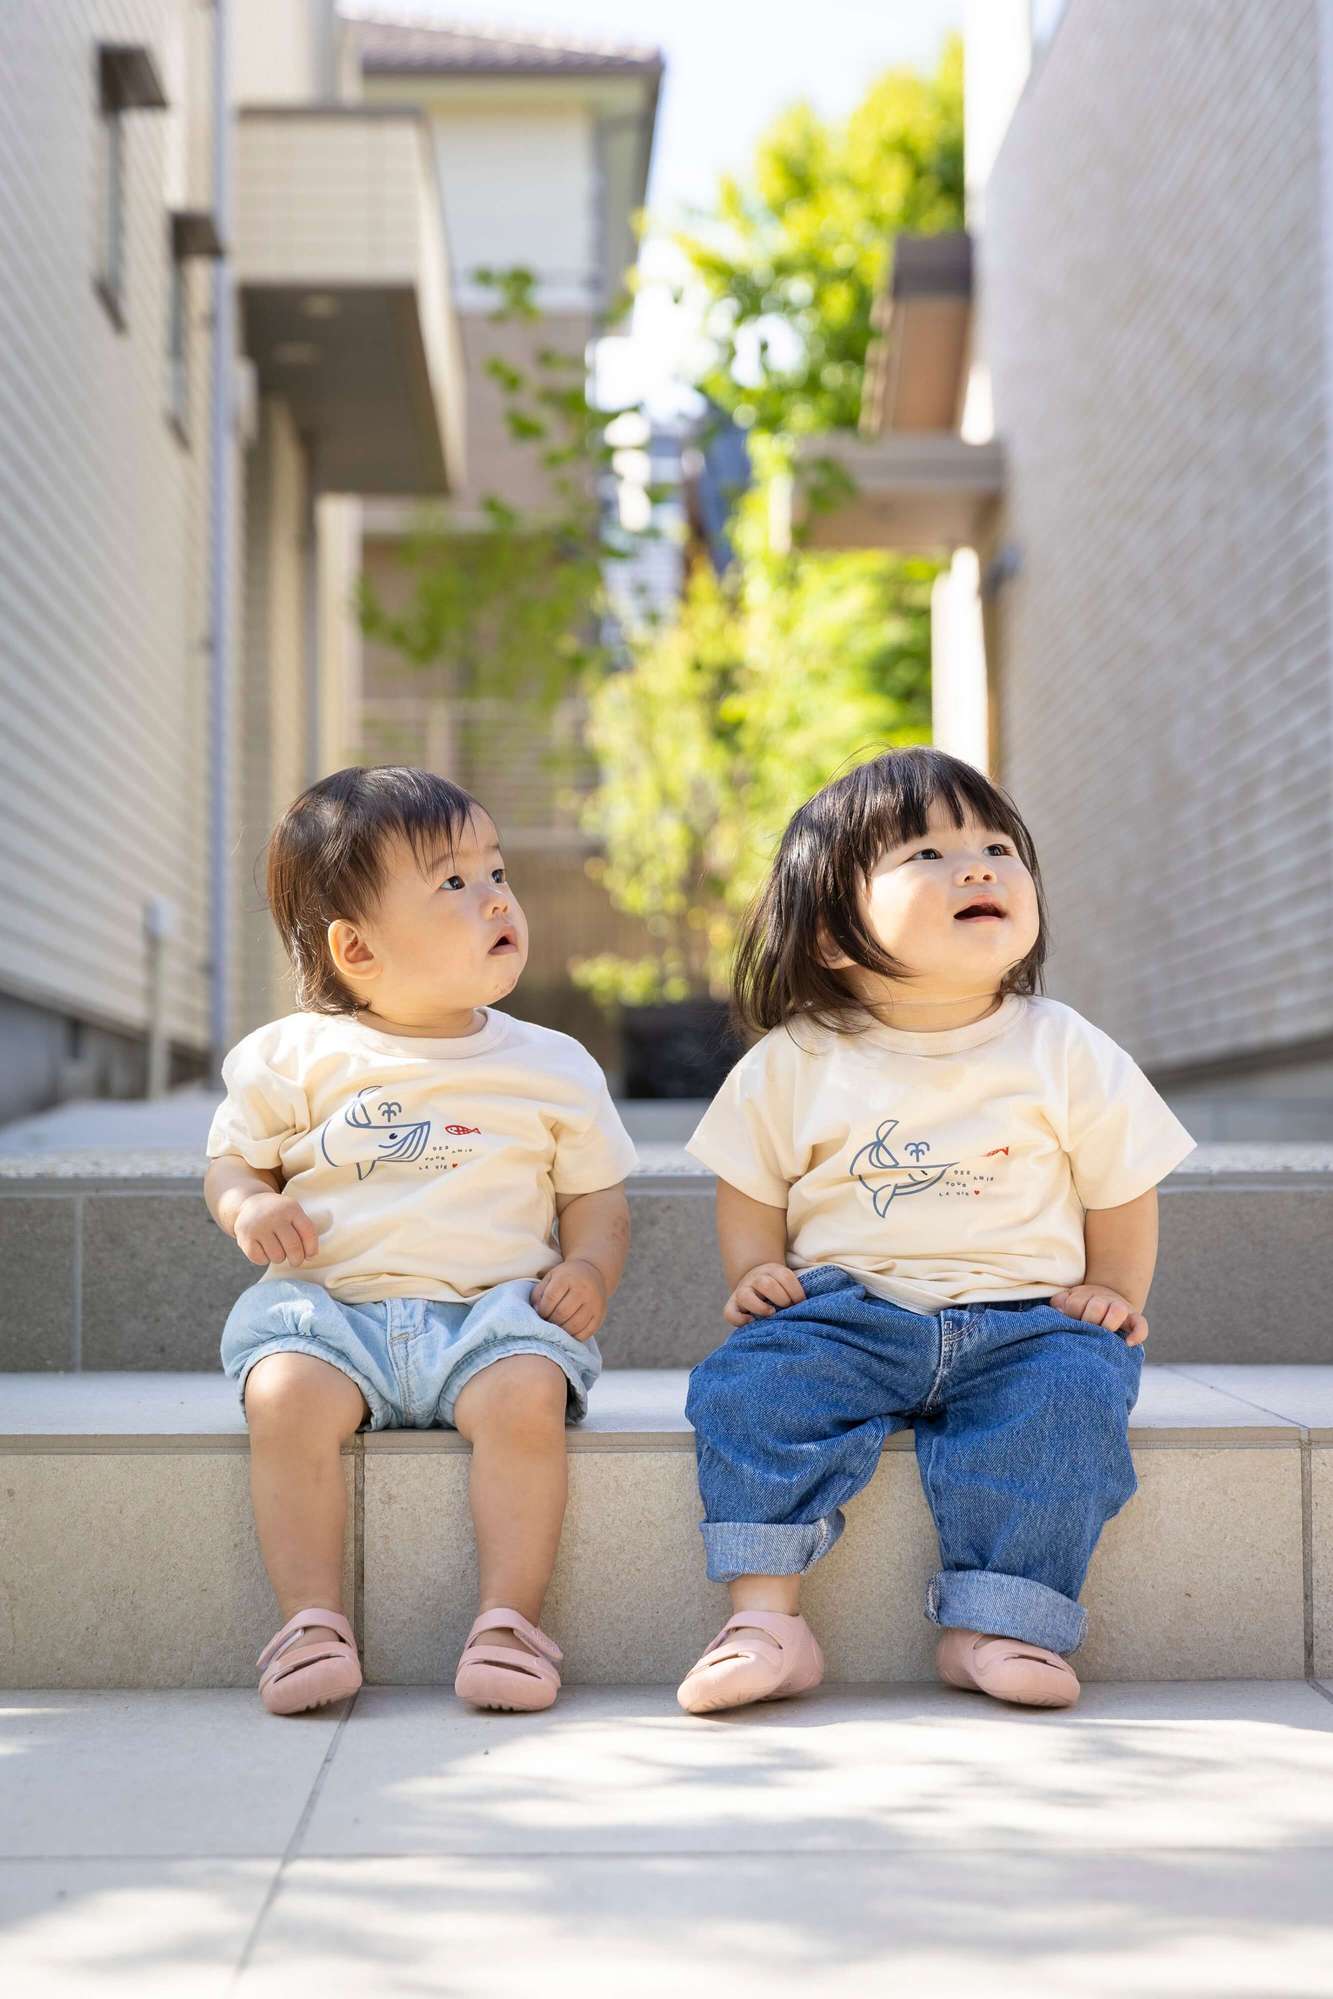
pixel 1021 1421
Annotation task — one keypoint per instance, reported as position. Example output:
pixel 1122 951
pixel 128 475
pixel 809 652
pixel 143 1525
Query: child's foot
pixel 1008 1669
pixel 758 1655
pixel 513 1667
pixel 311 1661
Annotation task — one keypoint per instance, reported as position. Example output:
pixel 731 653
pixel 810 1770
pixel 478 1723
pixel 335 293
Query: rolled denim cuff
pixel 756 1548
pixel 1007 1606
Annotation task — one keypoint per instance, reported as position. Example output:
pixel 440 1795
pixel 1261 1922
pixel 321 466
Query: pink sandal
pixel 310 1675
pixel 1008 1669
pixel 499 1676
pixel 732 1674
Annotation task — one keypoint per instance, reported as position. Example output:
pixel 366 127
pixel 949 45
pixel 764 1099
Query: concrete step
pixel 128 1558
pixel 112 1261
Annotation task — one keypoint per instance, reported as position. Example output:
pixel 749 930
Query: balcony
pixel 343 280
pixel 915 491
pixel 917 484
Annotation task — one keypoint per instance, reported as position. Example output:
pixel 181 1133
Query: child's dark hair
pixel 326 859
pixel 824 861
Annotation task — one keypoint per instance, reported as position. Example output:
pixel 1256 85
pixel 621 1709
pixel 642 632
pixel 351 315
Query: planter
pixel 682 1048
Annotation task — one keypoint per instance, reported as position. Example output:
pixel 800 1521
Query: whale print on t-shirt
pixel 372 1131
pixel 886 1179
pixel 883 1175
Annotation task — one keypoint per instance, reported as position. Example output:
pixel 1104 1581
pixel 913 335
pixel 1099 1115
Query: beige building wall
pixel 338 720
pixel 519 168
pixel 1153 317
pixel 283 53
pixel 273 741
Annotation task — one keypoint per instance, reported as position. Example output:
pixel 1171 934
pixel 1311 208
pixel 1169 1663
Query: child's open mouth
pixel 981 911
pixel 506 941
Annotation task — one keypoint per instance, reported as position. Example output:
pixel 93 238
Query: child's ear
pixel 349 950
pixel 830 957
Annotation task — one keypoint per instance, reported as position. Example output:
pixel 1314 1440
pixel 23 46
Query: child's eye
pixel 456 881
pixel 934 854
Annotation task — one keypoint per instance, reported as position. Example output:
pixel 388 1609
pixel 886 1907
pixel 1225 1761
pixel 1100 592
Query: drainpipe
pixel 222 445
pixel 310 617
pixel 159 926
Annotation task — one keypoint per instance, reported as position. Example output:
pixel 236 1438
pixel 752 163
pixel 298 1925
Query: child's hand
pixel 761 1292
pixel 573 1294
pixel 1102 1307
pixel 273 1228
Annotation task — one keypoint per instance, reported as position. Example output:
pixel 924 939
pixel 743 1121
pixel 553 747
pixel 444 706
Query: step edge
pixel 399 1443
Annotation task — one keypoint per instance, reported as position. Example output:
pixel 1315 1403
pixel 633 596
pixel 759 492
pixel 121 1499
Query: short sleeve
pixel 262 1107
pixel 741 1134
pixel 1120 1136
pixel 594 1151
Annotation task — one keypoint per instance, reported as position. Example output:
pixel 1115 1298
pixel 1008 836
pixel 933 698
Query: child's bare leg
pixel 299 1410
pixel 756 1662
pixel 513 1415
pixel 782 1593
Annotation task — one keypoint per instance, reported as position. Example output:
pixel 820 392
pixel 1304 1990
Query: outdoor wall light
pixel 1004 565
pixel 296 353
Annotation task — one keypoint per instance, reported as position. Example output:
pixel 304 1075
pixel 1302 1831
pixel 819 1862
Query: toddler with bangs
pixel 936 1201
pixel 436 1189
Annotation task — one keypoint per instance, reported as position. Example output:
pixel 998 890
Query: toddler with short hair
pixel 436 1188
pixel 937 1207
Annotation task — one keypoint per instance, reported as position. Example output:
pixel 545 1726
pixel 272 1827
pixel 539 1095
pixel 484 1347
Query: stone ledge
pixel 173 1169
pixel 129 1557
pixel 631 1409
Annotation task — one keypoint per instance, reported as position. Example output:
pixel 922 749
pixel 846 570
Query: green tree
pixel 795 664
pixel 514 605
pixel 793 258
pixel 768 681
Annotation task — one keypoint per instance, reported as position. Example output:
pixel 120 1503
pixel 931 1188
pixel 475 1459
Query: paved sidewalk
pixel 1157 1840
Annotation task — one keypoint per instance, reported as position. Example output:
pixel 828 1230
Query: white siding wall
pixel 1152 313
pixel 103 671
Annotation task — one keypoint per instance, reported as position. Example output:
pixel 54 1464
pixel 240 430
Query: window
pixel 178 347
pixel 193 234
pixel 110 275
pixel 127 80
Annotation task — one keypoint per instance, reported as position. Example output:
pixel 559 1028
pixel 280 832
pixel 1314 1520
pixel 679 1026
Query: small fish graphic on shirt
pixel 878 1163
pixel 373 1130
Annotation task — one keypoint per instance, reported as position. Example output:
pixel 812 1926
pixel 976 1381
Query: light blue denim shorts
pixel 410 1357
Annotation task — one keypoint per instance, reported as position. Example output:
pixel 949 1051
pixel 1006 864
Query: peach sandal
pixel 499 1676
pixel 311 1675
pixel 1009 1669
pixel 734 1672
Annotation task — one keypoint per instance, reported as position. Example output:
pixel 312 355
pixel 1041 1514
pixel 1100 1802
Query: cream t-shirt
pixel 429 1165
pixel 942 1169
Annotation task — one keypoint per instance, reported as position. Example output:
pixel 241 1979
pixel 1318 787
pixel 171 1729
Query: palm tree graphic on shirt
pixel 371 1130
pixel 884 1176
